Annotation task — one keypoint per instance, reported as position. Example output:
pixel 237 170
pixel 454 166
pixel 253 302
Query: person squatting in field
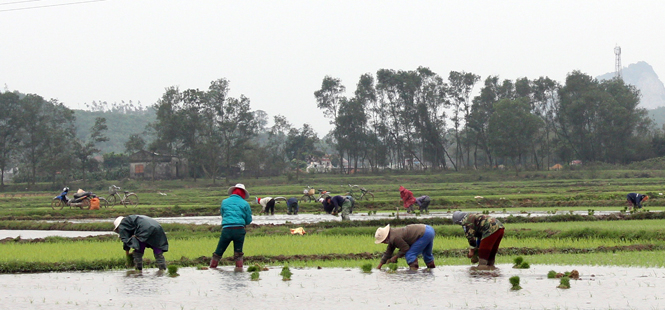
pixel 236 214
pixel 484 234
pixel 635 200
pixel 139 232
pixel 407 198
pixel 332 205
pixel 411 240
pixel 292 206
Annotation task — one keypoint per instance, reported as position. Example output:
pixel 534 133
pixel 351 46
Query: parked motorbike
pixel 80 200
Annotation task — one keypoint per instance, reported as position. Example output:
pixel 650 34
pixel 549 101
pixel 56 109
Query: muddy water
pixel 449 287
pixel 316 218
pixel 33 234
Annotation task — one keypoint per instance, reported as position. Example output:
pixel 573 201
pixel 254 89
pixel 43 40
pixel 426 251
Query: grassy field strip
pixel 628 259
pixel 266 245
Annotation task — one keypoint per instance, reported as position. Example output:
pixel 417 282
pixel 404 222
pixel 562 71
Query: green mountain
pixel 121 124
pixel 642 75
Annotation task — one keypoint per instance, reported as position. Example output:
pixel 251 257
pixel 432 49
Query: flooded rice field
pixel 35 234
pixel 448 287
pixel 316 218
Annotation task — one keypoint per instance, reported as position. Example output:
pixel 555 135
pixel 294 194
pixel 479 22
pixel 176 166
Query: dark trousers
pixel 237 235
pixel 270 206
pixel 490 245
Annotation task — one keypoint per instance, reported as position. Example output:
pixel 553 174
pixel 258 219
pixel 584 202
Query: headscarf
pixel 240 192
pixel 458 216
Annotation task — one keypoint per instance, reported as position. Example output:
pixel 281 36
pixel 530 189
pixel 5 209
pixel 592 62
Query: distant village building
pixel 142 164
pixel 576 162
pixel 9 174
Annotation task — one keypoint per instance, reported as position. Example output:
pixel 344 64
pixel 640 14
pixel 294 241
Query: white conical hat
pixel 381 234
pixel 117 221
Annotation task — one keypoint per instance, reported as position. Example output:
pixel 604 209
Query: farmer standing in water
pixel 236 214
pixel 412 240
pixel 484 234
pixel 139 232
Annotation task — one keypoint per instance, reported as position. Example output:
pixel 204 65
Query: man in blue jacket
pixel 236 214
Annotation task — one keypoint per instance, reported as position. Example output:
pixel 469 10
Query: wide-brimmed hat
pixel 116 223
pixel 240 186
pixel 381 234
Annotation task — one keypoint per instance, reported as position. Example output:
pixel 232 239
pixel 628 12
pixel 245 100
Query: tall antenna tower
pixel 617 62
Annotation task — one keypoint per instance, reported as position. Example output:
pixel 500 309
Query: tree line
pixel 417 120
pixel 394 119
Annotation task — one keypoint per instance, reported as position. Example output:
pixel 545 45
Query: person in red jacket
pixel 407 198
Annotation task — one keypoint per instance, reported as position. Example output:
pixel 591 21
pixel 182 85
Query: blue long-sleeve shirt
pixel 335 203
pixel 635 199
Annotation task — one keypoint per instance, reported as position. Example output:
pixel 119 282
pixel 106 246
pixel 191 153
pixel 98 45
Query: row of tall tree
pixel 220 135
pixel 39 137
pixel 408 119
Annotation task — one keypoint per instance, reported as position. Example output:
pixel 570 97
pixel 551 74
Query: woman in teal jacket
pixel 236 214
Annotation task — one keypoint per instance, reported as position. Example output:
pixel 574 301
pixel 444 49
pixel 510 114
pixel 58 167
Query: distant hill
pixel 120 126
pixel 641 75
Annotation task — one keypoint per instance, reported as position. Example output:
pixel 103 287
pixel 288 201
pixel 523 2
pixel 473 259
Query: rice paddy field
pixel 565 219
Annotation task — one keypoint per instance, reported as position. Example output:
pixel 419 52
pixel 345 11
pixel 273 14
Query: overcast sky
pixel 277 52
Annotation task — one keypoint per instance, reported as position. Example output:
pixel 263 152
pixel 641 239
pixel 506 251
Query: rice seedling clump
pixel 367 268
pixel 565 283
pixel 515 282
pixel 286 273
pixel 173 270
pixel 255 276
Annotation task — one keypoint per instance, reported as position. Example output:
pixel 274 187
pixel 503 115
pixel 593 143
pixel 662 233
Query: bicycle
pixel 309 193
pixel 364 193
pixel 128 198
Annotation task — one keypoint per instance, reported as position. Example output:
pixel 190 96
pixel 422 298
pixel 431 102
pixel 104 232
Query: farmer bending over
pixel 635 200
pixel 412 240
pixel 139 232
pixel 334 204
pixel 292 206
pixel 267 205
pixel 236 214
pixel 407 198
pixel 484 234
pixel 423 202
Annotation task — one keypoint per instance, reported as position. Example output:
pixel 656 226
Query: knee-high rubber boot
pixel 138 260
pixel 161 261
pixel 237 256
pixel 414 265
pixel 215 260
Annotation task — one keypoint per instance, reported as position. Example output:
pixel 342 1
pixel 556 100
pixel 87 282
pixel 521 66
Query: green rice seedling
pixel 255 267
pixel 525 265
pixel 369 212
pixel 255 276
pixel 374 212
pixel 173 270
pixel 201 267
pixel 515 282
pixel 551 274
pixel 286 273
pixel 518 261
pixel 392 267
pixel 565 283
pixel 129 261
pixel 367 268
